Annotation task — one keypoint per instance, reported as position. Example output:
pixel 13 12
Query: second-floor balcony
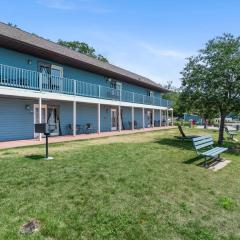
pixel 33 80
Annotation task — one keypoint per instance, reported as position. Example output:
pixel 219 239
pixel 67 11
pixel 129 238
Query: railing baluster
pixel 18 77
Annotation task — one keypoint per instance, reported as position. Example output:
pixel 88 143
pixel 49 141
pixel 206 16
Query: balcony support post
pixel 143 118
pixel 153 117
pixel 160 117
pixel 74 118
pixel 99 118
pixel 132 118
pixel 40 115
pixel 40 81
pixel 119 119
pixel 74 87
pixel 167 117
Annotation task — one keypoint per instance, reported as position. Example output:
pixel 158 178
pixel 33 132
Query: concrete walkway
pixel 68 138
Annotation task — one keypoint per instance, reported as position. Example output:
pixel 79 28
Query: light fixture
pixel 29 108
pixel 29 61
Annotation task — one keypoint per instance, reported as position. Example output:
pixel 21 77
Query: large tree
pixel 211 80
pixel 82 48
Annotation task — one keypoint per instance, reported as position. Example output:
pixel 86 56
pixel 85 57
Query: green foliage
pixel 83 48
pixel 178 106
pixel 211 80
pixel 226 203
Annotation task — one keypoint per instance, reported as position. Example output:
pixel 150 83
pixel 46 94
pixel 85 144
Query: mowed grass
pixel 139 186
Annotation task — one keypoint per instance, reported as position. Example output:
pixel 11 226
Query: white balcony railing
pixel 27 79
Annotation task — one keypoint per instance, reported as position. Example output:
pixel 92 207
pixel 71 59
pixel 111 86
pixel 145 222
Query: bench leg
pixel 205 163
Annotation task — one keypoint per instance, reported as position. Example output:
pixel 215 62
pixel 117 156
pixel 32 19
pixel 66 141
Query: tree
pixel 178 106
pixel 84 48
pixel 211 80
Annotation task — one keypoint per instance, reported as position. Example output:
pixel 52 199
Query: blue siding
pixel 106 118
pixel 126 117
pixel 16 59
pixel 87 113
pixel 66 116
pixel 16 122
pixel 138 117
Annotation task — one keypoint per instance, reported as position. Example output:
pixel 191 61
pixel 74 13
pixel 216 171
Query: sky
pixel 152 38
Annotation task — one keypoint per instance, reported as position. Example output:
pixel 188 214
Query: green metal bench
pixel 231 134
pixel 204 147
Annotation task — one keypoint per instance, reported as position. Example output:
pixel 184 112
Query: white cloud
pixel 164 52
pixel 58 4
pixel 86 5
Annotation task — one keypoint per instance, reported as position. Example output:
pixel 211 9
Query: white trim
pixel 99 118
pixel 74 118
pixel 119 119
pixel 143 118
pixel 153 118
pixel 132 118
pixel 17 92
pixel 36 106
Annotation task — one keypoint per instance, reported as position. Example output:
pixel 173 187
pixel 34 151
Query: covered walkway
pixel 68 138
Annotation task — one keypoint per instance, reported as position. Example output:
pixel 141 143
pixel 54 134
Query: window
pixel 116 85
pixel 56 71
pixel 150 93
pixel 47 68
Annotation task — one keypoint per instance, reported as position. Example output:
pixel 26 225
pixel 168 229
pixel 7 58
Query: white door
pixel 36 116
pixel 114 119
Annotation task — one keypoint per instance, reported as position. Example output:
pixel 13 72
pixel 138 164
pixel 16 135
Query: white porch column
pixel 119 119
pixel 172 117
pixel 160 117
pixel 132 118
pixel 99 118
pixel 40 115
pixel 74 118
pixel 153 117
pixel 167 117
pixel 143 118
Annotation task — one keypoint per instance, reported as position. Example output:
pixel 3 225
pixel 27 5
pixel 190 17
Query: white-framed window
pixel 56 71
pixel 116 85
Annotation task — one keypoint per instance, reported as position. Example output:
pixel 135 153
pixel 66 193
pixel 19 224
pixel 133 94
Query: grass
pixel 139 186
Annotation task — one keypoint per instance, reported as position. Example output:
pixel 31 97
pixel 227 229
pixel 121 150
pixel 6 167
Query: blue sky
pixel 148 37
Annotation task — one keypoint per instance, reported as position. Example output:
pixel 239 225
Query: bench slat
pixel 215 152
pixel 201 138
pixel 204 145
pixel 203 141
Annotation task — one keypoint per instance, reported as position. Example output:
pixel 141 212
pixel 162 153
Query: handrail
pixel 27 79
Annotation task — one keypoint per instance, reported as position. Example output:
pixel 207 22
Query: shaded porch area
pixel 68 138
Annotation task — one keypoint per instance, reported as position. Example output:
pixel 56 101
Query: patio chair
pixel 184 136
pixel 70 128
pixel 231 133
pixel 89 128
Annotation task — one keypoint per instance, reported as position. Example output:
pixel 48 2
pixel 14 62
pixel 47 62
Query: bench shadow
pixel 176 143
pixel 35 157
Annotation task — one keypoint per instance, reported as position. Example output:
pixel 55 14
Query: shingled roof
pixel 19 40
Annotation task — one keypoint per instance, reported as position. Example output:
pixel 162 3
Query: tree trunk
pixel 205 123
pixel 221 128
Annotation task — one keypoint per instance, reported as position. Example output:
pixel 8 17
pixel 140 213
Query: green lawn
pixel 139 186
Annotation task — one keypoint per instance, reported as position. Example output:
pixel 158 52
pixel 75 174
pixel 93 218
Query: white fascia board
pixel 18 92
